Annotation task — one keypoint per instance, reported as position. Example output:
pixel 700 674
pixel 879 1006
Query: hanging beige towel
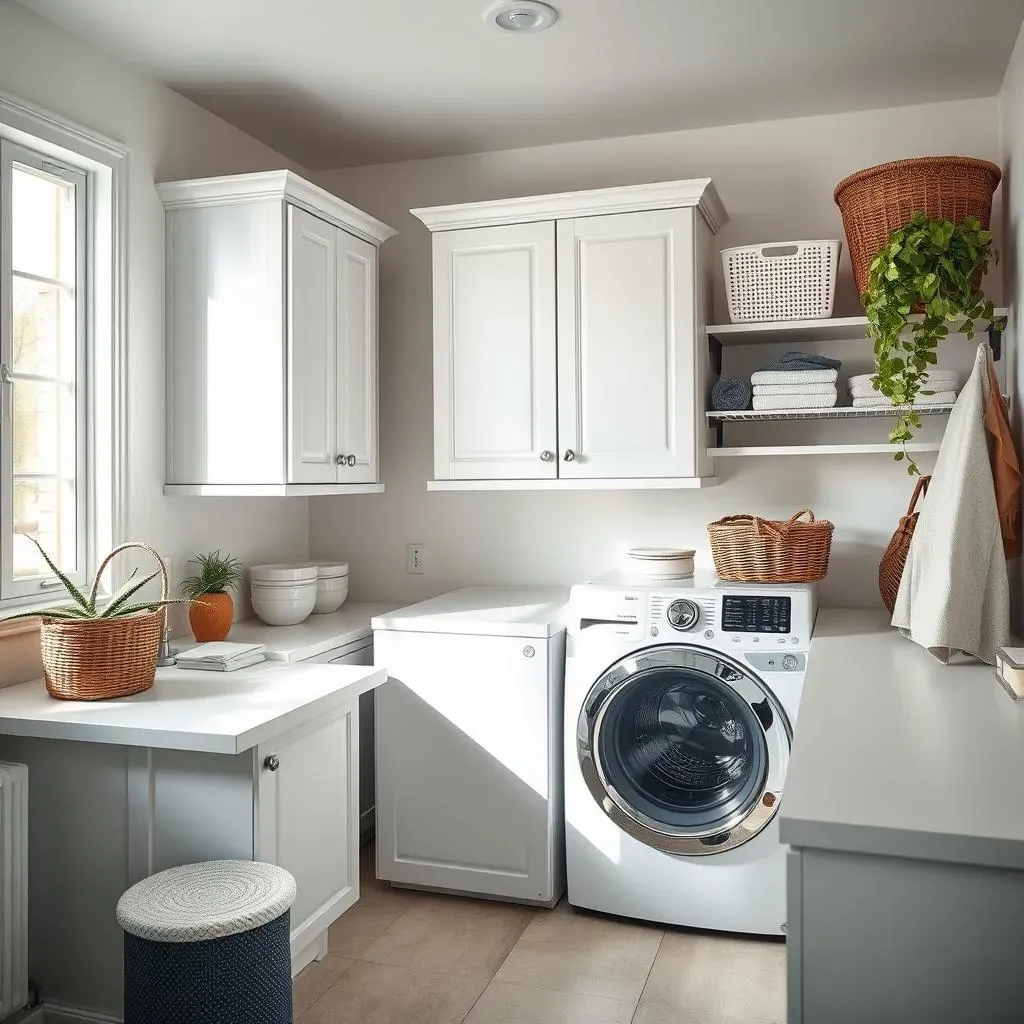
pixel 954 595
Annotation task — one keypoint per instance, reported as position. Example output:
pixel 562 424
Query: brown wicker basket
pixel 748 549
pixel 890 569
pixel 96 659
pixel 876 201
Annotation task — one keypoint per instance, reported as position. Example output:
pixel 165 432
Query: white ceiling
pixel 333 83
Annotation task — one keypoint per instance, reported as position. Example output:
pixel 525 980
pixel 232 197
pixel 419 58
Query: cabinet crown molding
pixel 696 192
pixel 284 185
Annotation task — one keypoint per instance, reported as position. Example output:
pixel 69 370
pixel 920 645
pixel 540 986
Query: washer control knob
pixel 790 662
pixel 683 614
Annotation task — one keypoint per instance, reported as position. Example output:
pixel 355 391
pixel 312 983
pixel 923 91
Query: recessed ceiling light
pixel 522 16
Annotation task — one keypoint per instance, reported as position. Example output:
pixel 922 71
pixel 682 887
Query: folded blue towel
pixel 730 394
pixel 802 361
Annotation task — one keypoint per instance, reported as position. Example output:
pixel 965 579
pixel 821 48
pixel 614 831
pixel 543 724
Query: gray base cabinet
pixel 890 940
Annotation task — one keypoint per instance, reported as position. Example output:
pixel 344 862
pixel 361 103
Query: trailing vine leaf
pixel 931 265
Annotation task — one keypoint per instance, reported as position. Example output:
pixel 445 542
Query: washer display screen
pixel 756 614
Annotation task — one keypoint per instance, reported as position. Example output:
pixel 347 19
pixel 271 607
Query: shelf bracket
pixel 995 337
pixel 715 351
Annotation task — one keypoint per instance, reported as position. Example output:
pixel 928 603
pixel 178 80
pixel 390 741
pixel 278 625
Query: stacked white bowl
pixel 283 595
pixel 660 563
pixel 331 586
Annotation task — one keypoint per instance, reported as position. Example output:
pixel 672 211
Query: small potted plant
pixel 932 267
pixel 94 652
pixel 212 610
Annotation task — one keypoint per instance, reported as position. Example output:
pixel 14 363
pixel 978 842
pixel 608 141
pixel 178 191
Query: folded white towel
pixel 794 377
pixel 948 379
pixel 220 653
pixel 766 402
pixel 867 391
pixel 794 389
pixel 877 401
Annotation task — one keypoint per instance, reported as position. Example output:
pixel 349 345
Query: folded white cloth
pixel 765 402
pixel 794 389
pixel 938 380
pixel 867 391
pixel 955 594
pixel 794 377
pixel 220 653
pixel 879 401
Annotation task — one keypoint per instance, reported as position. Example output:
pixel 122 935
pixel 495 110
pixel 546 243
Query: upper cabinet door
pixel 312 334
pixel 357 359
pixel 495 353
pixel 626 336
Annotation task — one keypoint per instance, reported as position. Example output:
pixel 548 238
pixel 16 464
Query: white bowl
pixel 282 591
pixel 282 572
pixel 660 563
pixel 327 568
pixel 277 607
pixel 330 594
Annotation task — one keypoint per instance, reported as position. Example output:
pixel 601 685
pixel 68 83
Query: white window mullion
pixel 70 500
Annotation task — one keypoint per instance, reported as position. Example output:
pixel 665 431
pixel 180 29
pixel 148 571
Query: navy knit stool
pixel 208 944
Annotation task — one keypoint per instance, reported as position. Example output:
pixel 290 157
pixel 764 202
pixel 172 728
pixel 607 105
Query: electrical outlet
pixel 416 558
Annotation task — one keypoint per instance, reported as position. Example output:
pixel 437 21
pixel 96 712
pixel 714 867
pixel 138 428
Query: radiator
pixel 13 887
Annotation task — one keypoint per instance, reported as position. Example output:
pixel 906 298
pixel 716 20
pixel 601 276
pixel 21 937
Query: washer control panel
pixel 683 614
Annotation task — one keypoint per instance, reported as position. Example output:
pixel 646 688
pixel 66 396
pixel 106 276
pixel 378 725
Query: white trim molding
pixel 106 161
pixel 281 185
pixel 664 195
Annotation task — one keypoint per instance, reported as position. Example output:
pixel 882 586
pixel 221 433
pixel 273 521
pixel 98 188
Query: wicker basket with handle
pixel 890 569
pixel 749 549
pixel 876 201
pixel 96 659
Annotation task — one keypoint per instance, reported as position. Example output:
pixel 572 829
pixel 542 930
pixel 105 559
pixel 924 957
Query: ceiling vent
pixel 522 16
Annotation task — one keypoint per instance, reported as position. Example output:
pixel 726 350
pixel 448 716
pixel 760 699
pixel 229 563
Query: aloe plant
pixel 85 607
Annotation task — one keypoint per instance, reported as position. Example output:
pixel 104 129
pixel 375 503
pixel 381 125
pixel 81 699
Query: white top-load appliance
pixel 681 699
pixel 469 732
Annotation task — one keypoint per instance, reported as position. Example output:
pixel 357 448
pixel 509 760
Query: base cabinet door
pixel 626 345
pixel 307 821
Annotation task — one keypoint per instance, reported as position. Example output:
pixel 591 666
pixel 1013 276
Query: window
pixel 63 400
pixel 43 363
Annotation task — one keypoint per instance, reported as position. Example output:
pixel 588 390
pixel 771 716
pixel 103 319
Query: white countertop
pixel 897 754
pixel 484 611
pixel 218 712
pixel 317 635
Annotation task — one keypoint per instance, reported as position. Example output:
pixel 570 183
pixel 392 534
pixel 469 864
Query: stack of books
pixel 222 657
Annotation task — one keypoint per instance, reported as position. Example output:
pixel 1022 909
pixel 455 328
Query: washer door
pixel 684 749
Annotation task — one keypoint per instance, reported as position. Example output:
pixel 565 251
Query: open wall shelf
pixel 821 449
pixel 842 412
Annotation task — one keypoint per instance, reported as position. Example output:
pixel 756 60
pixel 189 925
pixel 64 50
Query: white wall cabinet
pixel 569 341
pixel 271 338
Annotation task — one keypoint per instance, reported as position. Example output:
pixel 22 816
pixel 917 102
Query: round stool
pixel 208 944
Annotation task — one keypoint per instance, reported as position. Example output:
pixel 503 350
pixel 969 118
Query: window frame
pixel 43 585
pixel 105 163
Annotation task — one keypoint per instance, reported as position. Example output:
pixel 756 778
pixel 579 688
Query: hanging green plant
pixel 933 267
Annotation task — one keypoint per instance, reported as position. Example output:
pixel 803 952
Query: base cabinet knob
pixel 272 763
pixel 570 455
pixel 341 460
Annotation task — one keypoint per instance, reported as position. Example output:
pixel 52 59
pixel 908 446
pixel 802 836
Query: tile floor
pixel 401 957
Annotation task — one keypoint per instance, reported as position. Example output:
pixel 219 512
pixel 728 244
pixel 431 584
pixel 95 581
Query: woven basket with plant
pixel 92 651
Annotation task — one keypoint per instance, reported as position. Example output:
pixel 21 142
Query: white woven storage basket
pixel 781 280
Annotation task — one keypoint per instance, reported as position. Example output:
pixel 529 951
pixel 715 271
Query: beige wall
pixel 776 180
pixel 169 137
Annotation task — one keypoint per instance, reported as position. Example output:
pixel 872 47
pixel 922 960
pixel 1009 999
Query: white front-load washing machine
pixel 680 704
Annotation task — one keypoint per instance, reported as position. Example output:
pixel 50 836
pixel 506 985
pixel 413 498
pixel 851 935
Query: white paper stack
pixel 222 657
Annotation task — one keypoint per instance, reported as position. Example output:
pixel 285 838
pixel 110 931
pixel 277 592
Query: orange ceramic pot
pixel 210 617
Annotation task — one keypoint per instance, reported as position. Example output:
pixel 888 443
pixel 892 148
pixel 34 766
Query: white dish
pixel 660 563
pixel 276 609
pixel 284 591
pixel 327 568
pixel 282 572
pixel 331 594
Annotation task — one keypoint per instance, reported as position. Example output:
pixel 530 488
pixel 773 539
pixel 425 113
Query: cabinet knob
pixel 351 460
pixel 570 455
pixel 341 460
pixel 272 763
pixel 546 456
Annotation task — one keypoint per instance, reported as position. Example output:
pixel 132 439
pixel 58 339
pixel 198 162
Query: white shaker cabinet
pixel 271 338
pixel 569 338
pixel 494 352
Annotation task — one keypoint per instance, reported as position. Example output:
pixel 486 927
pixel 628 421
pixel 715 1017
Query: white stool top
pixel 196 902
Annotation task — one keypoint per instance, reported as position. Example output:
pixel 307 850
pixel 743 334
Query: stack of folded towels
pixel 798 380
pixel 944 385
